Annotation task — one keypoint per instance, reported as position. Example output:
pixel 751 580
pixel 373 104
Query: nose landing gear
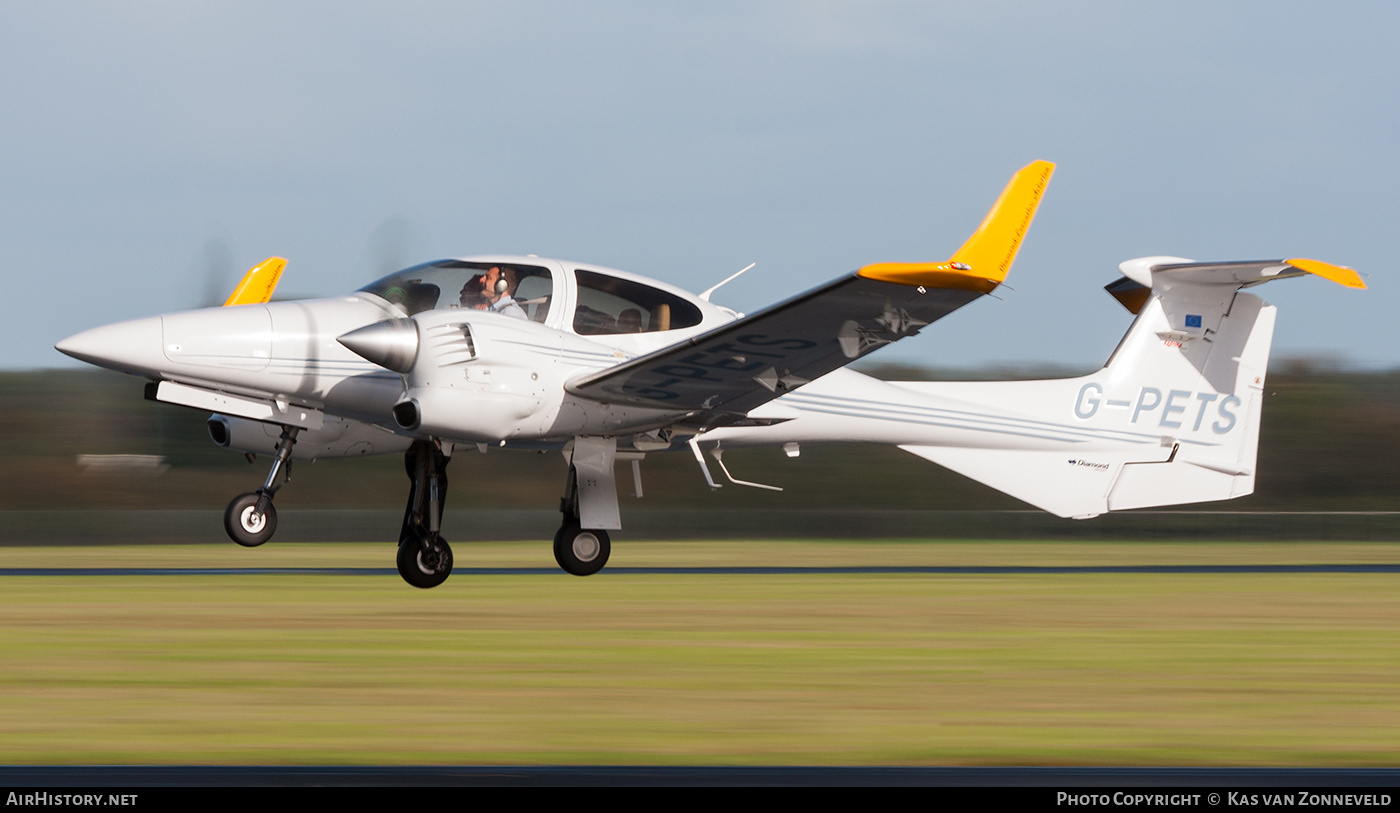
pixel 250 519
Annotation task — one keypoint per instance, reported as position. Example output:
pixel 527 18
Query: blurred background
pixel 1329 444
pixel 156 150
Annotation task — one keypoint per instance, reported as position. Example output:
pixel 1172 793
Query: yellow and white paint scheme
pixel 535 353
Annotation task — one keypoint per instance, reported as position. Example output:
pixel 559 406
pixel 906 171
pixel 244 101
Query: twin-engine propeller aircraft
pixel 531 353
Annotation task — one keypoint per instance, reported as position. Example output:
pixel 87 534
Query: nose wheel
pixel 245 524
pixel 250 519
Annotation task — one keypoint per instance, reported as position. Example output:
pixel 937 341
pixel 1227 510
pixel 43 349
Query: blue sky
pixel 155 150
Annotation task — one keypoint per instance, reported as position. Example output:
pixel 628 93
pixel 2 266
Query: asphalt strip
pixel 972 570
pixel 266 776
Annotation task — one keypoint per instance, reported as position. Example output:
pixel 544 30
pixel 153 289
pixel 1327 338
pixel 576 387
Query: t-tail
pixel 1172 418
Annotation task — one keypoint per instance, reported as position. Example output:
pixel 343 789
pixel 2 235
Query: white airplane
pixel 532 353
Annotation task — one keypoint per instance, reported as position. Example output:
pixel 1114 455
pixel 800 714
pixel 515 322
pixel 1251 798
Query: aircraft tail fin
pixel 1172 418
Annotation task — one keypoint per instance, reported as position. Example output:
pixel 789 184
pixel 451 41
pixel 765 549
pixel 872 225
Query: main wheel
pixel 580 551
pixel 425 567
pixel 246 527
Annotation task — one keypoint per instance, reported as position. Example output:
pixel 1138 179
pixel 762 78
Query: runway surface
pixel 972 570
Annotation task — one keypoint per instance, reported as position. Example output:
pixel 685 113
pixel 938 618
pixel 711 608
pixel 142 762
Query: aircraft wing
pixel 741 365
pixel 257 285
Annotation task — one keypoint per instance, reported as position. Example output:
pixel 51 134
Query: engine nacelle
pixel 475 376
pixel 482 415
pixel 337 437
pixel 485 377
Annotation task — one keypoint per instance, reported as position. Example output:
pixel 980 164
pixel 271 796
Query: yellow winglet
pixel 983 261
pixel 1339 274
pixel 257 285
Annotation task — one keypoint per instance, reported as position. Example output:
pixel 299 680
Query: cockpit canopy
pixel 603 304
pixel 457 284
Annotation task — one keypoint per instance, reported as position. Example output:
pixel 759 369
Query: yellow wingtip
pixel 257 285
pixel 1339 274
pixel 984 260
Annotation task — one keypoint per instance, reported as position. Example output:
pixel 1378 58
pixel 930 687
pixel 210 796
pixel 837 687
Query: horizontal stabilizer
pixel 1142 275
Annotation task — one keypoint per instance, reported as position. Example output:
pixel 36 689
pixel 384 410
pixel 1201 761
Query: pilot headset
pixel 502 284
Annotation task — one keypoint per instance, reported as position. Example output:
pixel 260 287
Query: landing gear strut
pixel 580 551
pixel 424 559
pixel 250 519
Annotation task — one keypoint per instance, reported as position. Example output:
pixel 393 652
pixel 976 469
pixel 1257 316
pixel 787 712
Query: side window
pixel 609 305
pixel 534 292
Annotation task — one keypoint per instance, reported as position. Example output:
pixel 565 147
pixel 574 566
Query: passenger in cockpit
pixel 492 292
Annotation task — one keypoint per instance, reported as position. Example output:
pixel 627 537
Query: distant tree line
pixel 1330 441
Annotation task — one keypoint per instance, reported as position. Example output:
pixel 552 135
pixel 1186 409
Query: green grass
pixel 1196 669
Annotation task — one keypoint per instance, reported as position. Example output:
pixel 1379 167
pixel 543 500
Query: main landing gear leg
pixel 250 519
pixel 578 550
pixel 424 559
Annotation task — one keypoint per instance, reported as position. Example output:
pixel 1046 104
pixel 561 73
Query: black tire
pixel 581 551
pixel 241 527
pixel 425 568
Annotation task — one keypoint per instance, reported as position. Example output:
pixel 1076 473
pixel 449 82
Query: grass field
pixel 1039 669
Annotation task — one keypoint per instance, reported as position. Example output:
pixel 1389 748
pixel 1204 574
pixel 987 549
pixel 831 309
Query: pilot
pixel 492 292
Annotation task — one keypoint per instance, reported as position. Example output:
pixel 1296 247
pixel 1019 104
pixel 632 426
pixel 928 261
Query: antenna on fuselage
pixel 706 295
